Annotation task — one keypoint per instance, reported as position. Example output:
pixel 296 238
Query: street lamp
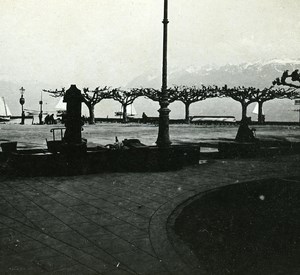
pixel 163 139
pixel 22 101
pixel 41 110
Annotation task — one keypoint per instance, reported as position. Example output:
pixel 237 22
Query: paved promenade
pixel 110 223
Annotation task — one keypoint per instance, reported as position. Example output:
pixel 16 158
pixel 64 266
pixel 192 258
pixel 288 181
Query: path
pixel 109 223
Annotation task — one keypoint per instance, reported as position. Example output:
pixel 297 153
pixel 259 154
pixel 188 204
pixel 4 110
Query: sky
pixel 109 42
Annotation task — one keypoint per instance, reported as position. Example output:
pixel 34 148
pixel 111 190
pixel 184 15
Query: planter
pixel 9 147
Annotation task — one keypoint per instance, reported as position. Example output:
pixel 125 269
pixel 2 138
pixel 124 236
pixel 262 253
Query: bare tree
pixel 56 93
pixel 248 95
pixel 188 95
pixel 90 98
pixel 125 98
pixel 261 96
pixel 241 94
pixel 289 80
pixel 155 94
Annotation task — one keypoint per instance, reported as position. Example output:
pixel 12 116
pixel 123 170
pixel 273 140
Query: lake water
pixel 34 136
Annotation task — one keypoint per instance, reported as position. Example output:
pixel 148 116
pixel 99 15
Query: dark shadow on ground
pixel 248 228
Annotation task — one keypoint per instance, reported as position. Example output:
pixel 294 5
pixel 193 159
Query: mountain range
pixel 258 74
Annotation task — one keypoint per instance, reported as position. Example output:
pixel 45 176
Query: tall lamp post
pixel 163 139
pixel 41 110
pixel 22 101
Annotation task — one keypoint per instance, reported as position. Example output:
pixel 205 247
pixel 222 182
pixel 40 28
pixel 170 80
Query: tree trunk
pixel 124 113
pixel 187 112
pixel 244 110
pixel 261 117
pixel 92 114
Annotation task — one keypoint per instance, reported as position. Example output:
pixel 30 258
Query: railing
pixel 55 130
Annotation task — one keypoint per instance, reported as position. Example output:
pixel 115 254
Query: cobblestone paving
pixel 109 223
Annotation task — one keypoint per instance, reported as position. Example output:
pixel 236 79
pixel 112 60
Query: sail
pixel 61 106
pixel 4 110
pixel 130 110
pixel 255 110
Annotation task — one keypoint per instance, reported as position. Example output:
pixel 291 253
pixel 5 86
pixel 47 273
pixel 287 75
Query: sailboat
pixel 131 112
pixel 255 110
pixel 5 113
pixel 61 107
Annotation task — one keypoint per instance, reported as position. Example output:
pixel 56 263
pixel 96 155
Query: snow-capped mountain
pixel 258 74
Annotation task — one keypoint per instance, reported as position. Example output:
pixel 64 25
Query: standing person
pixel 144 117
pixel 51 119
pixel 47 119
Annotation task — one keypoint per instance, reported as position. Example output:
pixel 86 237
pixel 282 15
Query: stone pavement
pixel 110 223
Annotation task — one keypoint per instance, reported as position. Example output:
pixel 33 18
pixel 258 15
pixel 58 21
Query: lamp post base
pixel 22 119
pixel 163 139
